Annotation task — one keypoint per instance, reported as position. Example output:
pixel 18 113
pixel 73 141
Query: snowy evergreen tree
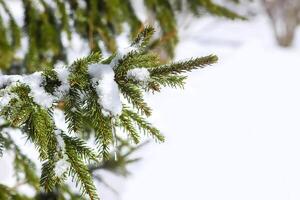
pixel 41 33
pixel 100 97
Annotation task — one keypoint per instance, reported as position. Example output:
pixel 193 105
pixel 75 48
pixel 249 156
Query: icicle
pixel 115 142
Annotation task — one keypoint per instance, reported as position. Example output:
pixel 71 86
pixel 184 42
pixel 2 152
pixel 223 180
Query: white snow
pixel 60 120
pixel 63 75
pixel 37 91
pixel 61 166
pixel 103 79
pixel 60 141
pixel 34 81
pixel 5 99
pixel 102 76
pixel 6 80
pixel 139 74
pixel 234 134
pixel 2 121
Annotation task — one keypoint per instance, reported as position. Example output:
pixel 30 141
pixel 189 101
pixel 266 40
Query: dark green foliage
pixel 127 124
pixel 48 179
pixel 134 96
pixel 185 66
pixel 48 24
pixel 142 124
pixel 80 173
pixel 85 117
pixel 40 130
pixel 80 148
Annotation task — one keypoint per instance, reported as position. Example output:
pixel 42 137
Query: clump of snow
pixel 60 141
pixel 5 99
pixel 6 80
pixel 60 120
pixel 34 81
pixel 139 74
pixel 107 89
pixel 2 121
pixel 103 79
pixel 37 91
pixel 63 75
pixel 61 166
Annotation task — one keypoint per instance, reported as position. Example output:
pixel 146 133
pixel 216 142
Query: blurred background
pixel 233 133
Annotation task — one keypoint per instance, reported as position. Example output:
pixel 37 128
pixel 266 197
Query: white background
pixel 234 132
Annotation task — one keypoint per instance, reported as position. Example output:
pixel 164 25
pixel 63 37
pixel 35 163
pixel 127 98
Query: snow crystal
pixel 61 167
pixel 63 75
pixel 139 74
pixel 107 89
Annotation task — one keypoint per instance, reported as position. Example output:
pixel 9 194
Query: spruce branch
pixel 174 81
pixel 81 148
pixel 73 113
pixel 219 10
pixel 48 179
pixel 96 95
pixel 40 129
pixel 134 96
pixel 128 126
pixel 80 173
pixel 143 38
pixel 48 24
pixel 184 66
pixel 143 125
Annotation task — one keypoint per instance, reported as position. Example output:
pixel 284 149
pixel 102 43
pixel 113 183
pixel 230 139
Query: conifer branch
pixel 184 66
pixel 126 123
pixel 81 175
pixel 143 125
pixel 46 23
pixel 82 150
pixel 134 96
pixel 97 95
pixel 48 179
